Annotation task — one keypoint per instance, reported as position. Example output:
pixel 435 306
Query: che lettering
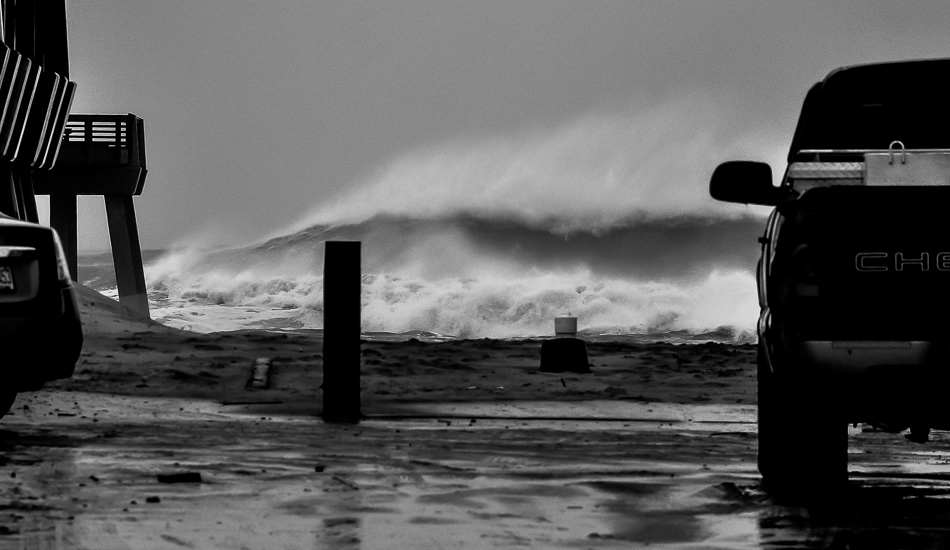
pixel 900 261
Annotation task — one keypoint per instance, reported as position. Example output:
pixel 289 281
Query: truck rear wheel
pixel 803 445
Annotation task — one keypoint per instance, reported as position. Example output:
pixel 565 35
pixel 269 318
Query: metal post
pixel 341 331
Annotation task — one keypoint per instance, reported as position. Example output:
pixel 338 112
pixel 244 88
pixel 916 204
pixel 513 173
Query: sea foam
pixel 475 278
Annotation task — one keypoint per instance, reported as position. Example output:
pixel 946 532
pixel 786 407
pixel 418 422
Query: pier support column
pixel 28 210
pixel 341 331
pixel 127 253
pixel 8 195
pixel 63 218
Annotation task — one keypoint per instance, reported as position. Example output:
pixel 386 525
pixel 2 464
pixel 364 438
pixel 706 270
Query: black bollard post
pixel 341 331
pixel 566 352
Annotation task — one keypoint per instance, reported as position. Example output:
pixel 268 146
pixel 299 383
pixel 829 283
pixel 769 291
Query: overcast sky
pixel 256 113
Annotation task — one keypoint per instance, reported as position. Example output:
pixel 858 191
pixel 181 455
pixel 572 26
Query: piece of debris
pixel 319 468
pixel 179 375
pixel 260 374
pixel 177 541
pixel 918 434
pixel 349 484
pixel 153 499
pixel 209 347
pixel 184 477
pixel 439 465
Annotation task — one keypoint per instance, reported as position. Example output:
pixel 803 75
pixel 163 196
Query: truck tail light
pixel 805 263
pixel 805 271
pixel 62 266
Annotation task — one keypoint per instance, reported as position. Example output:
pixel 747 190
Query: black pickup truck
pixel 854 275
pixel 40 328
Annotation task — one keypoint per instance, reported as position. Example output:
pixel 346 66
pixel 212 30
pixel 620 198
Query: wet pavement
pixel 86 470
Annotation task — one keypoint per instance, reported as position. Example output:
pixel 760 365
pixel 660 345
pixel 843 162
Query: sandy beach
pixel 125 355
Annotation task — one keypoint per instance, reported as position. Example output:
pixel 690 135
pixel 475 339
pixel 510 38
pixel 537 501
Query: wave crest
pixel 592 174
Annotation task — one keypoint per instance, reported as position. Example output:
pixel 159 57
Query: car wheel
pixel 6 401
pixel 803 444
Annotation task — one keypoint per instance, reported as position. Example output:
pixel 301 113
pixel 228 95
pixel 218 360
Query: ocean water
pixel 467 276
pixel 605 217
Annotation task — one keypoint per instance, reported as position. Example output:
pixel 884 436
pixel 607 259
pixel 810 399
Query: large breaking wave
pixel 474 278
pixel 606 218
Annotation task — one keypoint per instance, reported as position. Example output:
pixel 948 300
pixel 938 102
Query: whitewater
pixel 605 218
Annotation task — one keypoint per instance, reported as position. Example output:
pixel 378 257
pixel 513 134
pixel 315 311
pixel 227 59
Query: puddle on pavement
pixel 435 512
pixel 589 410
pixel 669 476
pixel 261 491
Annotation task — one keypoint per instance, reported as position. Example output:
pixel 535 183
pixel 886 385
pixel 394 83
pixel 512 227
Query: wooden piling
pixel 127 253
pixel 341 331
pixel 63 218
pixel 8 196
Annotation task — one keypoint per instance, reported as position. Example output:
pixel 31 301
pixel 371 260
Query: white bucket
pixel 565 327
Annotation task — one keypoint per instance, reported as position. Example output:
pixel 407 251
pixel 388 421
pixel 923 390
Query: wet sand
pixel 465 444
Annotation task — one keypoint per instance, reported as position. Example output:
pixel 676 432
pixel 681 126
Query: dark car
pixel 40 328
pixel 854 275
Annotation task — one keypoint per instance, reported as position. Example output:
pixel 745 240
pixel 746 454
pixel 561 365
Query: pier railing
pixel 99 155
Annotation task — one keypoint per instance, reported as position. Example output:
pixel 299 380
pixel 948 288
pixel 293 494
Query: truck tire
pixel 7 398
pixel 803 445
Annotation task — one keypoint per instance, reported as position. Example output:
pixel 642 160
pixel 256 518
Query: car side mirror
pixel 744 182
